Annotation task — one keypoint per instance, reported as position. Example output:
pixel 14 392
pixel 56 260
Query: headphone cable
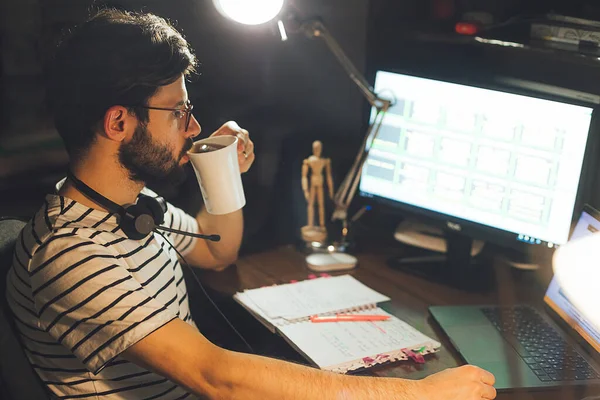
pixel 207 295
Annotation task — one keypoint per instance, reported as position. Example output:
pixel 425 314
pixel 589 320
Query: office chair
pixel 17 378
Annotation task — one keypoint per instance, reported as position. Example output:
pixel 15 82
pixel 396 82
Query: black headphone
pixel 139 219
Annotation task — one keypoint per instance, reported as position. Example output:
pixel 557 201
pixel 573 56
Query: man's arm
pixel 180 353
pixel 217 255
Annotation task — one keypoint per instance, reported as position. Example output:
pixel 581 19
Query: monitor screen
pixel 502 160
pixel 555 298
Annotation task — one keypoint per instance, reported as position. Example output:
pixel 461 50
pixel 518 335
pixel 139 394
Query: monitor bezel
pixel 477 230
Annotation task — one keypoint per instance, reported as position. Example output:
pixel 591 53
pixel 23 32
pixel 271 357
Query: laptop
pixel 524 347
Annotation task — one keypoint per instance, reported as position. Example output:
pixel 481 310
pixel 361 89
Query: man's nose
pixel 194 129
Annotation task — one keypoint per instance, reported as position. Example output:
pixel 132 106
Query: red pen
pixel 349 318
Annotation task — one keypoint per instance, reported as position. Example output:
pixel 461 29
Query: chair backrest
pixel 18 379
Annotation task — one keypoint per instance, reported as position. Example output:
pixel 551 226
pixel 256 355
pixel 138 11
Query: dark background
pixel 287 94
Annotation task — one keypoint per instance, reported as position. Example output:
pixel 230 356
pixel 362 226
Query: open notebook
pixel 334 346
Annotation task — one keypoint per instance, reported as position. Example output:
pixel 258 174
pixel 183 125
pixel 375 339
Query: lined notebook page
pixel 315 296
pixel 337 345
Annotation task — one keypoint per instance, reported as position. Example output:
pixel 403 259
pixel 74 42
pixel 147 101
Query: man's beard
pixel 152 163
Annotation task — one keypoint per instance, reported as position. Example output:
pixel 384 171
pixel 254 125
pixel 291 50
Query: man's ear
pixel 118 123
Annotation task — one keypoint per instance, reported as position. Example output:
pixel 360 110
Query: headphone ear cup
pixel 127 223
pixel 153 207
pixel 138 222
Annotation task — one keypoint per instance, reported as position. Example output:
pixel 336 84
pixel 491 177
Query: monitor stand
pixel 440 256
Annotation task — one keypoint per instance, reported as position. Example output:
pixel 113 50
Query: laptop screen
pixel 556 298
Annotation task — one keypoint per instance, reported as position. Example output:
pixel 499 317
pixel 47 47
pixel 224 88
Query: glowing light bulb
pixel 249 12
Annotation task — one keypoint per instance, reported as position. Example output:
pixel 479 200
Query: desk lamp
pixel 576 266
pixel 261 11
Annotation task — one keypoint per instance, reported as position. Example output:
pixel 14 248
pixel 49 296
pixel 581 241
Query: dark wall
pixel 286 93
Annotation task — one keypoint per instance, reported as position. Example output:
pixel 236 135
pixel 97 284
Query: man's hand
pixel 463 383
pixel 245 145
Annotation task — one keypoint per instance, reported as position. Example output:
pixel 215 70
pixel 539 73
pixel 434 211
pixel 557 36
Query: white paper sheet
pixel 315 296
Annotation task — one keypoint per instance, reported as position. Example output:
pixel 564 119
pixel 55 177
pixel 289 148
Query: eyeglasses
pixel 179 113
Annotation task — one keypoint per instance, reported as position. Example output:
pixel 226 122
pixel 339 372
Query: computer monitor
pixel 504 163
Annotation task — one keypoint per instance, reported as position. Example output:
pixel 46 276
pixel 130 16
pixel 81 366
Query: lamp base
pixel 325 247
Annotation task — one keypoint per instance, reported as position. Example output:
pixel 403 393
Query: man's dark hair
pixel 114 58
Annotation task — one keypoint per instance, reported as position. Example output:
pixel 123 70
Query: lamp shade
pixel 577 269
pixel 249 12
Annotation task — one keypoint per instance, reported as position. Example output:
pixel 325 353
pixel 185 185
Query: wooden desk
pixel 410 296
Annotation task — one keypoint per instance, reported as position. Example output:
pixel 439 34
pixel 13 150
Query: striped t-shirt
pixel 82 293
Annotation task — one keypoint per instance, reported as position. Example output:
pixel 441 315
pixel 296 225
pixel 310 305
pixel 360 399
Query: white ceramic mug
pixel 218 174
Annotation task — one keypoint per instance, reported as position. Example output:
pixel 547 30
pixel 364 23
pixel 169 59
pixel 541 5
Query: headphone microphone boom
pixel 214 238
pixel 139 219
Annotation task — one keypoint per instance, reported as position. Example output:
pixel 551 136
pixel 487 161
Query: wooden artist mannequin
pixel 316 165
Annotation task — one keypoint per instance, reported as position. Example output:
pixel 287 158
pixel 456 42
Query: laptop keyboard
pixel 548 355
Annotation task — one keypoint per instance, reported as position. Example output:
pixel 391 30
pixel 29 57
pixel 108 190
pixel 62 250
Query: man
pixel 106 316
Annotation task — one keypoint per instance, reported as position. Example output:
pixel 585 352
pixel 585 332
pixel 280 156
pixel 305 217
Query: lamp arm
pixel 345 193
pixel 315 28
